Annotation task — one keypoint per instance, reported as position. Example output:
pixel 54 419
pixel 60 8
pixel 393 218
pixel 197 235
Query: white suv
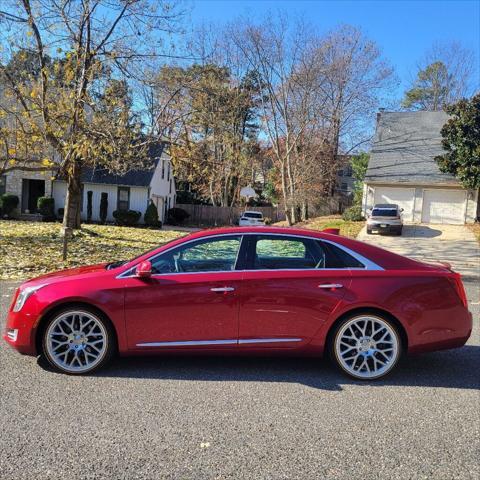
pixel 251 219
pixel 385 217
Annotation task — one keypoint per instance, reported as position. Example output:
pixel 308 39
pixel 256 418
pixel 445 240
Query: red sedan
pixel 245 290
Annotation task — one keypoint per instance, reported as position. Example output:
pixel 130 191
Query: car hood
pixel 65 274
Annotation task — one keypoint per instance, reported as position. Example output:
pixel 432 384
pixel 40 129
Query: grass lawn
pixel 29 249
pixel 475 228
pixel 348 229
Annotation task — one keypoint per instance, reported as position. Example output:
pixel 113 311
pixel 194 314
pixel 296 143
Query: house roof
pixel 404 149
pixel 133 178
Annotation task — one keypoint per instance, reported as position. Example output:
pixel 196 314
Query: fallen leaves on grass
pixel 29 249
pixel 475 228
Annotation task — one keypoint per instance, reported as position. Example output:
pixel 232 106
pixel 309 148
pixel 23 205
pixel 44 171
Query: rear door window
pixel 285 253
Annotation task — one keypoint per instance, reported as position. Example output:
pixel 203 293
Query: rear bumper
pixel 386 228
pixel 445 338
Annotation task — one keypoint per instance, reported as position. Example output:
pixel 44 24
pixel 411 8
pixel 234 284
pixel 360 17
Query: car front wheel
pixel 366 346
pixel 77 341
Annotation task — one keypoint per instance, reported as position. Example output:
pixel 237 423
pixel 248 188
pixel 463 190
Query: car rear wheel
pixel 366 346
pixel 77 341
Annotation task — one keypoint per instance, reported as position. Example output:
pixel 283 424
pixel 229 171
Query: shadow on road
pixel 448 369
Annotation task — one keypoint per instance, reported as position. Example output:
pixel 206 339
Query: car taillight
pixel 457 280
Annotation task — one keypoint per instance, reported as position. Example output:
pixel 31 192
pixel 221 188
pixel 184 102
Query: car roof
pixel 252 211
pixel 266 229
pixel 385 205
pixel 383 258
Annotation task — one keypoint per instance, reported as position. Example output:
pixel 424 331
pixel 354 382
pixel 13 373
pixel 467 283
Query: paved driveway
pixel 240 418
pixel 455 244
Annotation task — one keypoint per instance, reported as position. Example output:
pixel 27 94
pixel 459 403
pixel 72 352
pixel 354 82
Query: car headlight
pixel 23 296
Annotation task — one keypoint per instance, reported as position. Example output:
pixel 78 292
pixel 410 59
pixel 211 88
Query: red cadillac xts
pixel 244 291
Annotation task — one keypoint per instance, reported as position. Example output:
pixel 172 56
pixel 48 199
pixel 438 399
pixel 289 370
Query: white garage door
pixel 443 206
pixel 403 197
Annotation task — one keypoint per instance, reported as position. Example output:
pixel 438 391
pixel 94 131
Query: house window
pixel 340 173
pixel 170 187
pixel 123 198
pixel 163 168
pixel 3 184
pixel 168 171
pixel 344 186
pixel 347 171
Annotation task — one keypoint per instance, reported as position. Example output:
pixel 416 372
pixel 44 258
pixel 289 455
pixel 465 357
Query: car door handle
pixel 222 289
pixel 330 286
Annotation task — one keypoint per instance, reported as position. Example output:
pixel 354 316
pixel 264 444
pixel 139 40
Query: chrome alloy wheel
pixel 76 341
pixel 367 347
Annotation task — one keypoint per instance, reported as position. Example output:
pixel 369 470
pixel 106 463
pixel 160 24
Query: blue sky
pixel 403 29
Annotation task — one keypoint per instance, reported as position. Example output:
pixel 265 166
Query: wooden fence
pixel 218 216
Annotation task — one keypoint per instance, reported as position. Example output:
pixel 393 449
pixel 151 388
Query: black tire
pixel 399 232
pixel 335 356
pixel 105 331
pixel 369 231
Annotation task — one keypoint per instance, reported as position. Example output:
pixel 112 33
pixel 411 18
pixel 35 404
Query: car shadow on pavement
pixel 416 231
pixel 412 231
pixel 448 369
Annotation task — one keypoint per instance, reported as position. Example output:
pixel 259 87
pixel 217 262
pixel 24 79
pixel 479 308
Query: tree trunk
pixel 285 196
pixel 71 216
pixel 304 212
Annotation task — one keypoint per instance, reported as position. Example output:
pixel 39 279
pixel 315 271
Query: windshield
pixel 119 263
pixel 252 215
pixel 384 212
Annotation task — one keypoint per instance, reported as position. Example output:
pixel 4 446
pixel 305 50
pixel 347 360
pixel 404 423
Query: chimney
pixel 379 113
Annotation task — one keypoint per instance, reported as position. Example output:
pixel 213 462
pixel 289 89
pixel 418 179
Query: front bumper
pixel 20 332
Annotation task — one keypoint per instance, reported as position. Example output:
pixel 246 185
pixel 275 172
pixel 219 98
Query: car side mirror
pixel 144 269
pixel 401 209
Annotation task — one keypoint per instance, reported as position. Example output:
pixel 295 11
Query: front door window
pixel 211 255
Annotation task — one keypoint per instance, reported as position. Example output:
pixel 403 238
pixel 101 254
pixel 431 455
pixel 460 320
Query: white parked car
pixel 385 217
pixel 251 219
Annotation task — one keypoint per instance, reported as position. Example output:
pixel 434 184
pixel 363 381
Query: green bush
pixel 126 218
pixel 46 208
pixel 103 208
pixel 353 214
pixel 175 216
pixel 8 203
pixel 151 216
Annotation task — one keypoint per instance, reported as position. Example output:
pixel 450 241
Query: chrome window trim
pixel 193 343
pixel 369 264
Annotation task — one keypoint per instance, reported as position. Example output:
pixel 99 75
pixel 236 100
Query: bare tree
pixel 444 76
pixel 278 54
pixel 354 80
pixel 91 41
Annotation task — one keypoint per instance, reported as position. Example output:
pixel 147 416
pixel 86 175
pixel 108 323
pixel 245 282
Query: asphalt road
pixel 267 418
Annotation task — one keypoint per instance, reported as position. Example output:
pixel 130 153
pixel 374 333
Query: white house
pixel 131 191
pixel 402 170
